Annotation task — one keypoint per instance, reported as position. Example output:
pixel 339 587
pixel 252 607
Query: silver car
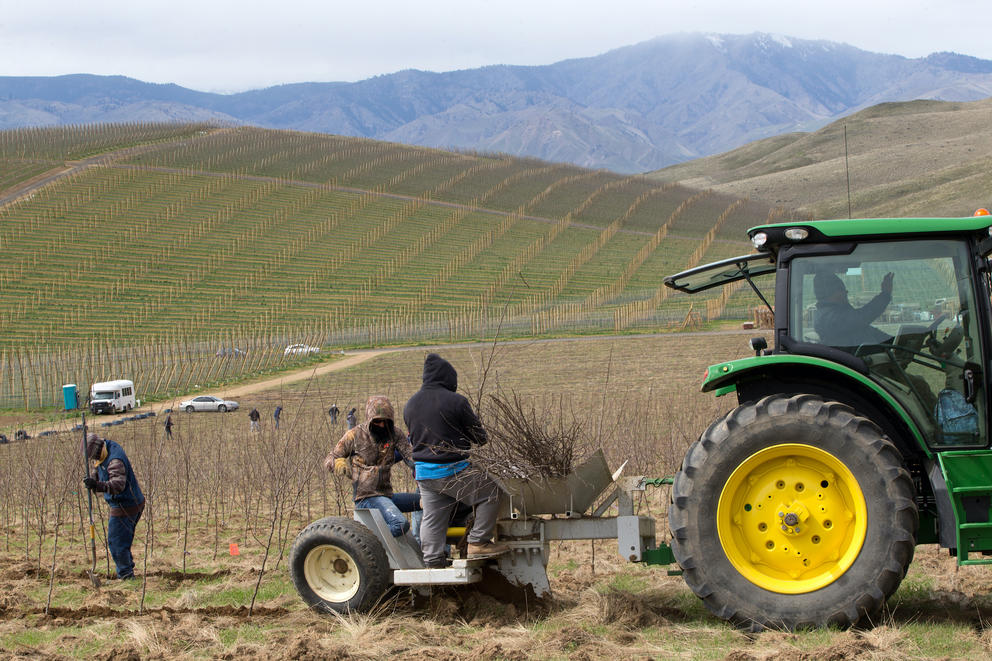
pixel 208 403
pixel 300 350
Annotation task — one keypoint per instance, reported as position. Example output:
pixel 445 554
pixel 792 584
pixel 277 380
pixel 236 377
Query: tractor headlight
pixel 796 233
pixel 759 239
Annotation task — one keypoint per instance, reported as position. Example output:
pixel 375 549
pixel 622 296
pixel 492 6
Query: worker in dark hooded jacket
pixel 115 479
pixel 443 428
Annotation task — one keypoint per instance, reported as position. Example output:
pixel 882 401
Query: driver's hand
pixel 950 342
pixel 887 283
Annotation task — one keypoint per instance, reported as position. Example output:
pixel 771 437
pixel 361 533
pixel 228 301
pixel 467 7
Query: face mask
pixel 100 460
pixel 379 433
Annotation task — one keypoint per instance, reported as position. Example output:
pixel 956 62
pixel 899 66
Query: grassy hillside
pixel 246 231
pixel 921 158
pixel 154 251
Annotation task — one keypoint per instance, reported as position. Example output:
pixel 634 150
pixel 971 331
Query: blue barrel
pixel 69 394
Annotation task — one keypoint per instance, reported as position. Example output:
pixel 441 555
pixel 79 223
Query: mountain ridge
pixel 633 109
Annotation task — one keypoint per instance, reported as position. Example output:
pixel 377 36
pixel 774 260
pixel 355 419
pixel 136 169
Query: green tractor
pixel 862 432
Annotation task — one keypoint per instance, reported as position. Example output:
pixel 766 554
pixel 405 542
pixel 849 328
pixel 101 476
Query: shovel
pixel 86 468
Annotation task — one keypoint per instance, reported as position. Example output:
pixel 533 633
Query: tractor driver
pixel 840 324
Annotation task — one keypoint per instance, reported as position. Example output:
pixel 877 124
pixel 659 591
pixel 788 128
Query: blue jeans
pixel 120 534
pixel 392 511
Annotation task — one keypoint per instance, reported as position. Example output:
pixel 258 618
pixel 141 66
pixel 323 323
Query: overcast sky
pixel 228 46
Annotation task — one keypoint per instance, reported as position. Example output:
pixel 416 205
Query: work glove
pixel 92 485
pixel 341 466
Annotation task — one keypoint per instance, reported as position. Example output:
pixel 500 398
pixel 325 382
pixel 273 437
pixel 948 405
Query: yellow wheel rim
pixel 792 518
pixel 331 573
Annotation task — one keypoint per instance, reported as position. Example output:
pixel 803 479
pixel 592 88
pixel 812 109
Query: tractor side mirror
pixel 985 245
pixel 758 344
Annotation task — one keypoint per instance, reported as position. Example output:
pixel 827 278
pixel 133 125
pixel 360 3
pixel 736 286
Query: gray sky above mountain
pixel 234 45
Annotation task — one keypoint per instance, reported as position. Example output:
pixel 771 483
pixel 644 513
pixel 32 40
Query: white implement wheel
pixel 337 564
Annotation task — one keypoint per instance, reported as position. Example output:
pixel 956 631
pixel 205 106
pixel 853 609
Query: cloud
pixel 220 45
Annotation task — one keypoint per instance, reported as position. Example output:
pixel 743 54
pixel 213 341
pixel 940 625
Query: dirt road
pixel 350 360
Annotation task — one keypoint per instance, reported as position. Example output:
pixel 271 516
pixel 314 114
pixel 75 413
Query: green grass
pixel 206 238
pixel 29 640
pixel 277 586
pixel 243 633
pixel 242 231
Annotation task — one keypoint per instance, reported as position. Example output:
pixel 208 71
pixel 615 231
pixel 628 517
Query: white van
pixel 112 396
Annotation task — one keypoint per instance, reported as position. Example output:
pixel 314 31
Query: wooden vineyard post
pixel 20 370
pixel 691 320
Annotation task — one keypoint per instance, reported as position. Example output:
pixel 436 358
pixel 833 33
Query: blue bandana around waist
pixel 428 471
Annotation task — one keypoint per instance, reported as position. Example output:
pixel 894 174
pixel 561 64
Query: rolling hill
pixel 155 247
pixel 195 228
pixel 919 158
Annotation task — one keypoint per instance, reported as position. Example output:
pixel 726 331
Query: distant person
pixel 253 418
pixel 278 412
pixel 115 479
pixel 168 426
pixel 443 428
pixel 333 412
pixel 352 420
pixel 371 449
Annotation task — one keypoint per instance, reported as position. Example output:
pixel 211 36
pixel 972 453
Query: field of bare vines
pixel 224 504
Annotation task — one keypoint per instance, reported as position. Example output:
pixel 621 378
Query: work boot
pixel 486 550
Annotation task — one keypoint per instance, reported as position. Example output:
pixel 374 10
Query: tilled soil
pixel 591 616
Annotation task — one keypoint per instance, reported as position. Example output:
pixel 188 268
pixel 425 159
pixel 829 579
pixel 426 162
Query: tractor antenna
pixel 847 169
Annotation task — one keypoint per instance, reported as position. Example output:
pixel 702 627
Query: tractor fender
pixel 946 518
pixel 759 376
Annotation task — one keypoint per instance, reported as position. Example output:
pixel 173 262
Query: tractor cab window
pixel 903 307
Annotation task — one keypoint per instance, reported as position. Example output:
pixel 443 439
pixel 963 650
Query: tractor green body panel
pixel 658 556
pixel 968 474
pixel 861 228
pixel 722 378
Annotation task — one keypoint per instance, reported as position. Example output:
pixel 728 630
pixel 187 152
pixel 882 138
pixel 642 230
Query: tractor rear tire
pixel 793 513
pixel 339 565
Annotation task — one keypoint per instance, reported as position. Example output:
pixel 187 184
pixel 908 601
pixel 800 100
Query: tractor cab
pixel 902 304
pixel 875 391
pixel 905 311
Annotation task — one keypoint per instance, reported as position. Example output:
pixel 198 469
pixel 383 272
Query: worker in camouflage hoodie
pixel 367 453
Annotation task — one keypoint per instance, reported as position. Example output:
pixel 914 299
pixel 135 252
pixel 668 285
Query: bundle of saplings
pixel 529 439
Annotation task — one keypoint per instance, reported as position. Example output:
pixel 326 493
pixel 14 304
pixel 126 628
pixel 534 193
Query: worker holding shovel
pixel 115 479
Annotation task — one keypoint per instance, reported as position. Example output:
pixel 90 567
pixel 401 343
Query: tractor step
pixel 968 475
pixel 461 572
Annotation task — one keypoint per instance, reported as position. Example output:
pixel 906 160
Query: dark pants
pixel 441 497
pixel 120 534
